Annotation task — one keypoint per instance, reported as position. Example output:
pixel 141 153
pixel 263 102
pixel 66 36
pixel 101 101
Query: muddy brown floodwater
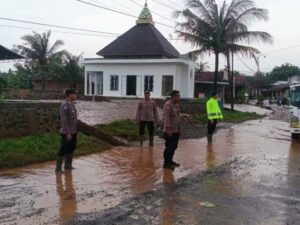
pixel 35 195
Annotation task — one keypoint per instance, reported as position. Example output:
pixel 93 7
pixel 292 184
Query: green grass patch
pixel 41 148
pixel 126 129
pixel 231 117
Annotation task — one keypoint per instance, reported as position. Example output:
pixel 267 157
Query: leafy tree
pixel 37 48
pixel 283 72
pixel 3 81
pixel 68 69
pixel 221 30
pixel 203 66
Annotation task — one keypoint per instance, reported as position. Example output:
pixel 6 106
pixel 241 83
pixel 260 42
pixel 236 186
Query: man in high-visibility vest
pixel 214 114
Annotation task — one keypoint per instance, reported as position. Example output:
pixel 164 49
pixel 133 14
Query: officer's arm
pixel 64 118
pixel 156 117
pixel 167 116
pixel 138 112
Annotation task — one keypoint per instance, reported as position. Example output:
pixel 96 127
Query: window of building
pixel 167 85
pixel 114 83
pixel 148 83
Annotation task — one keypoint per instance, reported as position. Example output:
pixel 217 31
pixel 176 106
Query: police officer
pixel 171 129
pixel 214 114
pixel 68 131
pixel 146 114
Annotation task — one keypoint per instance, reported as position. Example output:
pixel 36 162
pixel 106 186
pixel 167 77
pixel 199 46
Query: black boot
pixel 151 138
pixel 59 162
pixel 68 162
pixel 209 138
pixel 141 140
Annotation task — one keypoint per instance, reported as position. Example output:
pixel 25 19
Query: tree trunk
pixel 43 82
pixel 97 133
pixel 216 72
pixel 232 85
pixel 230 74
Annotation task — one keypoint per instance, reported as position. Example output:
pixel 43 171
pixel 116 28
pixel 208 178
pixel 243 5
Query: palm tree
pixel 68 69
pixel 221 30
pixel 37 48
pixel 203 66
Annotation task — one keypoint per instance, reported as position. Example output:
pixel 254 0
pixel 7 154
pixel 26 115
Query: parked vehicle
pixel 295 111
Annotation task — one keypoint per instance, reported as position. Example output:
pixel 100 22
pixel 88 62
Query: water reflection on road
pixel 34 195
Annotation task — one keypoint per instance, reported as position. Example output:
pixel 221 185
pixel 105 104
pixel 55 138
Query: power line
pixel 57 26
pixel 123 5
pixel 165 5
pixel 174 3
pixel 246 64
pixel 283 49
pixel 56 31
pixel 116 11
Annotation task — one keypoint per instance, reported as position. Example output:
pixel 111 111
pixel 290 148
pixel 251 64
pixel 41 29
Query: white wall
pixel 180 72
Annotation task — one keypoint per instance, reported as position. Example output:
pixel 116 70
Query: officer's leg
pixel 150 126
pixel 214 125
pixel 142 132
pixel 175 145
pixel 168 151
pixel 61 153
pixel 209 131
pixel 69 156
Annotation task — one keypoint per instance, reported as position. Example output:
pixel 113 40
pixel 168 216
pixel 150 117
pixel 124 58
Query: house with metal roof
pixel 140 59
pixel 7 55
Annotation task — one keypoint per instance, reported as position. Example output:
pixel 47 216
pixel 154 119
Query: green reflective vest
pixel 213 110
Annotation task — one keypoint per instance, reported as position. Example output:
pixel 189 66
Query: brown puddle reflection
pixel 67 196
pixel 103 180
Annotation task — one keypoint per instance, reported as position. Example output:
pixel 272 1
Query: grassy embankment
pixel 231 117
pixel 42 147
pixel 126 129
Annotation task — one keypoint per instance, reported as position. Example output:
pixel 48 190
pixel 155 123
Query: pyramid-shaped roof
pixel 141 41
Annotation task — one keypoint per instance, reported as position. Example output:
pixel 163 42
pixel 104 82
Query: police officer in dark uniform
pixel 171 129
pixel 68 131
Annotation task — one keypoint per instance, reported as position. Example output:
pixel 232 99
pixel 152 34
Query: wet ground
pixel 250 175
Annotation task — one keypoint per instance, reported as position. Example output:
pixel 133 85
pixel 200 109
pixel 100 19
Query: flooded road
pixel 268 169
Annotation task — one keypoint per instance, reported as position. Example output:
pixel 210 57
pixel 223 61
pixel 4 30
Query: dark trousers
pixel 67 147
pixel 150 126
pixel 211 126
pixel 171 144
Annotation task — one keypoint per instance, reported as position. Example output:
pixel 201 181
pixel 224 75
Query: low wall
pixel 23 118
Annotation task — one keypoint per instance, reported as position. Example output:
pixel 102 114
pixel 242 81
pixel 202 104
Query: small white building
pixel 140 59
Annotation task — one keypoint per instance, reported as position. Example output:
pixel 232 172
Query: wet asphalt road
pixel 250 175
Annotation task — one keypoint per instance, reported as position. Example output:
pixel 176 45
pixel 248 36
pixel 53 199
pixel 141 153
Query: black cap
pixel 71 91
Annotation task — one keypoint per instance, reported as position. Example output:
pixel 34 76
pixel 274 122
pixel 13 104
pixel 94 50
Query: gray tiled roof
pixel 141 41
pixel 6 54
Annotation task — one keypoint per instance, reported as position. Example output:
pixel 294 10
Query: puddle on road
pixel 34 195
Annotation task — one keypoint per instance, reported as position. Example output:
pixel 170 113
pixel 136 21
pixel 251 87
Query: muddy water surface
pixel 35 195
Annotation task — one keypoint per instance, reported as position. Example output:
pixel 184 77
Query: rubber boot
pixel 209 138
pixel 141 140
pixel 59 162
pixel 68 162
pixel 151 140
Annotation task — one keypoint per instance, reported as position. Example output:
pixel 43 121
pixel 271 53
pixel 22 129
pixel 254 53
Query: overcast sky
pixel 283 25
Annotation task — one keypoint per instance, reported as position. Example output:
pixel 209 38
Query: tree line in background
pixel 45 60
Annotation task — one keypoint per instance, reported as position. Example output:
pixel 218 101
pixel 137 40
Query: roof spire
pixel 145 16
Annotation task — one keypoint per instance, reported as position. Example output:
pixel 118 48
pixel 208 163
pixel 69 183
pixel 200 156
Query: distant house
pixel 142 58
pixel 204 83
pixel 52 84
pixel 7 55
